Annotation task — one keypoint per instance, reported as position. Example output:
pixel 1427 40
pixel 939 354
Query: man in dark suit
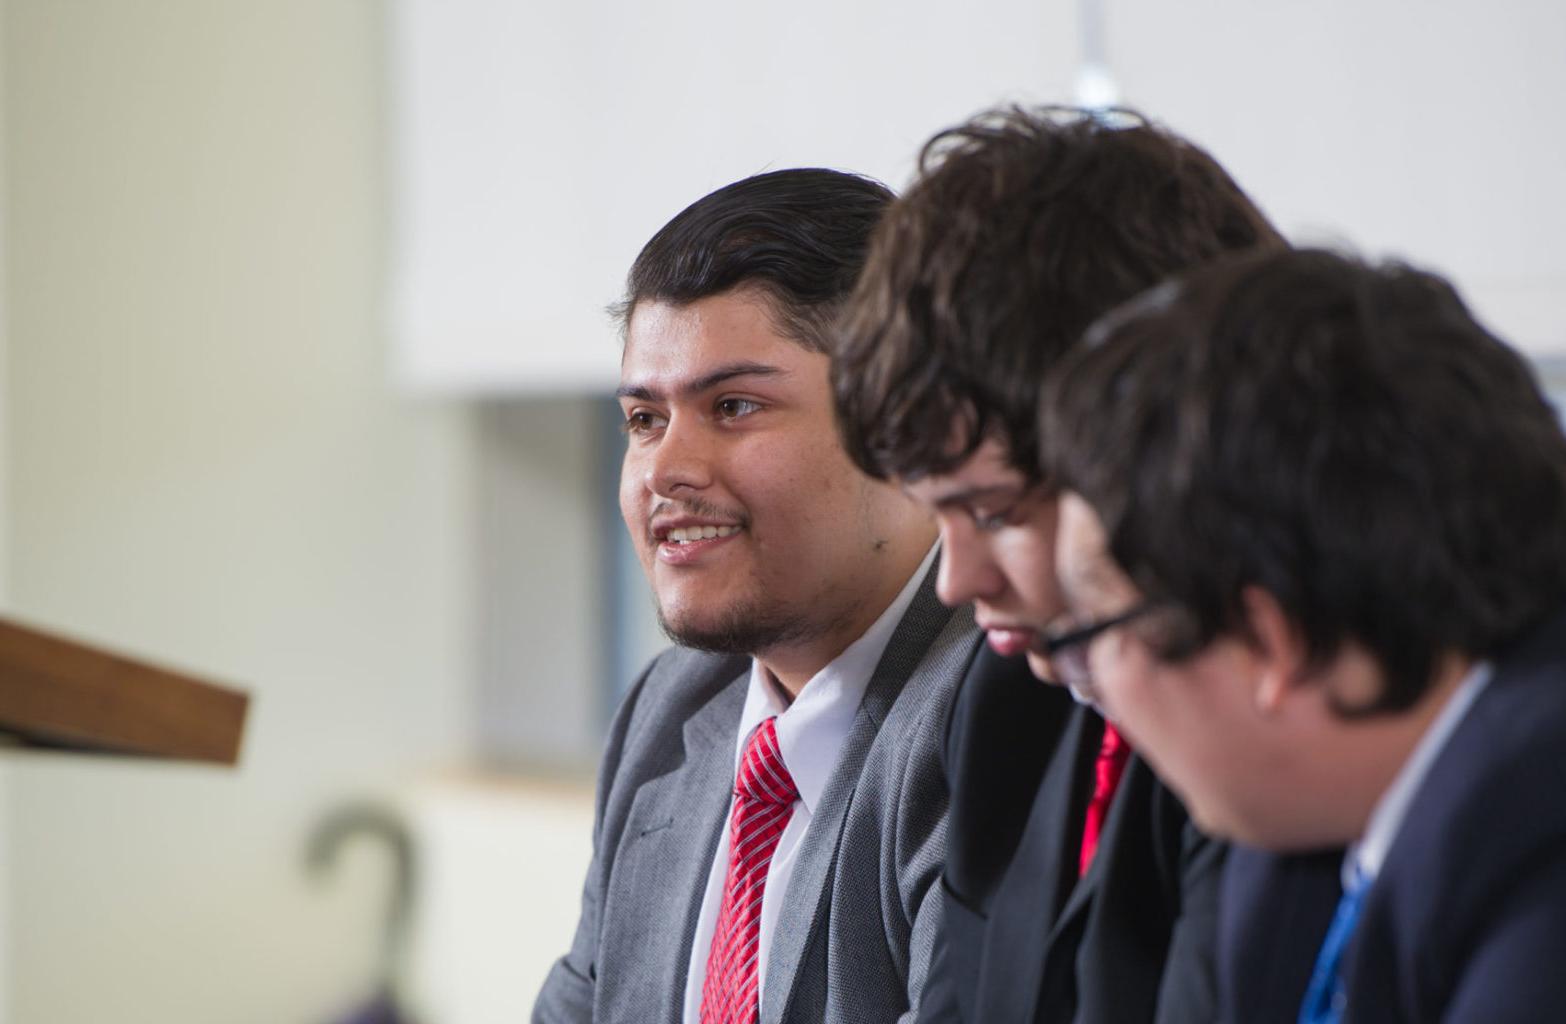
pixel 771 811
pixel 1314 552
pixel 1075 887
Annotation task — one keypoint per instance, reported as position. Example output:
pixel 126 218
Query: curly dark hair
pixel 1021 227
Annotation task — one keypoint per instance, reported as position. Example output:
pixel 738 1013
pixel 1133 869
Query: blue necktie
pixel 1325 998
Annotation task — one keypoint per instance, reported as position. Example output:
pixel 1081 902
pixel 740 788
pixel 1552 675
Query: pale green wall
pixel 206 467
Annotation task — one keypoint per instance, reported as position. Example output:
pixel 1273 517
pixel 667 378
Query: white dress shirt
pixel 1370 851
pixel 811 733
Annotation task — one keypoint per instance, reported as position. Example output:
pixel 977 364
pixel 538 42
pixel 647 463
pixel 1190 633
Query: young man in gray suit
pixel 770 819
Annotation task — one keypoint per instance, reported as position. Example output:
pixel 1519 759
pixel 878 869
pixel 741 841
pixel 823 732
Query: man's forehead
pixel 985 471
pixel 657 316
pixel 656 334
pixel 683 341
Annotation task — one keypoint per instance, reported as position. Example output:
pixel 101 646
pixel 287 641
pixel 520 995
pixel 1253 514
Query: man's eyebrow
pixel 706 382
pixel 972 495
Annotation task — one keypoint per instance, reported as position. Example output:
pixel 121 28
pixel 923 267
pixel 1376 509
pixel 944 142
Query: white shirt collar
pixel 1370 851
pixel 812 730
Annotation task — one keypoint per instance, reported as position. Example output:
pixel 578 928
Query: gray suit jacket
pixel 853 940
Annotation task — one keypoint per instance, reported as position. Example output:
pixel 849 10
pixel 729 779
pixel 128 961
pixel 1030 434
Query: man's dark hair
pixel 1021 228
pixel 800 235
pixel 1341 435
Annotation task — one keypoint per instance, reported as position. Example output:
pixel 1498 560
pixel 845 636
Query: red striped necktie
pixel 1111 764
pixel 764 796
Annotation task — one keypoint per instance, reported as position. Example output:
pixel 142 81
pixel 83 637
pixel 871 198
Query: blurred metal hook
pixel 381 822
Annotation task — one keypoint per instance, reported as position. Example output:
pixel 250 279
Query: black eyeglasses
pixel 1068 651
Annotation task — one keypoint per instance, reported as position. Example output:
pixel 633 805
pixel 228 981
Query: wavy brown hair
pixel 1021 227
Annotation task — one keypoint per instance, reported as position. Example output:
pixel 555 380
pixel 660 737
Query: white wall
pixel 1428 130
pixel 204 464
pixel 502 870
pixel 5 781
pixel 537 147
pixel 207 469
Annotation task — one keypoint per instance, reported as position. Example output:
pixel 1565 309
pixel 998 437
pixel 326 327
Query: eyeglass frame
pixel 1073 668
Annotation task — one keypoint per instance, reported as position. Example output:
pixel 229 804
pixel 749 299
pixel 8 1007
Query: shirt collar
pixel 812 730
pixel 1367 854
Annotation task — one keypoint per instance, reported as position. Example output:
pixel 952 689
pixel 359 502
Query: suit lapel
pixel 806 906
pixel 1109 841
pixel 665 858
pixel 1496 766
pixel 1043 874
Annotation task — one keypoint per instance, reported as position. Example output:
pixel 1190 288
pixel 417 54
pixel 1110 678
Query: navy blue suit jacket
pixel 1273 917
pixel 1467 919
pixel 1024 940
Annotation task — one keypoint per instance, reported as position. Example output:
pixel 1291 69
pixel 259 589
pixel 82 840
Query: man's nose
pixel 967 572
pixel 682 462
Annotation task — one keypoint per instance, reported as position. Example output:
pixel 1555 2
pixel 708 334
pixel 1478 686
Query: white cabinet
pixel 538 145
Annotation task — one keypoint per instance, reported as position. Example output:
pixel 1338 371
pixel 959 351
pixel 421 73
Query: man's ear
pixel 1279 648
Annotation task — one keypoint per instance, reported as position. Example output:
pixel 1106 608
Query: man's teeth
pixel 685 535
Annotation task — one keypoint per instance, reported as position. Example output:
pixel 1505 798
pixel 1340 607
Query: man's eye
pixel 990 520
pixel 734 408
pixel 640 421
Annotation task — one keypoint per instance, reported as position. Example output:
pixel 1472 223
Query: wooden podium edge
pixel 60 693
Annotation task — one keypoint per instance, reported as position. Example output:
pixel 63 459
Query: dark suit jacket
pixel 854 935
pixel 1273 917
pixel 1024 940
pixel 1467 919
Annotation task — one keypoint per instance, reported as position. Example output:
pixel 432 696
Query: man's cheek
pixel 1039 665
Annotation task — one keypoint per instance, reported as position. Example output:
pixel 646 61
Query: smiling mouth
pixel 691 534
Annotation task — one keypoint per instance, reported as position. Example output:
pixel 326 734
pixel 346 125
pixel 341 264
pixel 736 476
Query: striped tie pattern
pixel 764 796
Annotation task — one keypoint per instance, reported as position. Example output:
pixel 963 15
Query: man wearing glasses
pixel 1075 887
pixel 1364 644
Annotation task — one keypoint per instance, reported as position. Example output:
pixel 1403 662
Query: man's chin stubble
pixel 744 631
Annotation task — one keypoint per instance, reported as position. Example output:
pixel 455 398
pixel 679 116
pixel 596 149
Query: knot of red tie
pixel 762 776
pixel 1112 754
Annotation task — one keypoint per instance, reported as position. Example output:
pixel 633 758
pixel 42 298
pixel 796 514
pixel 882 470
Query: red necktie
pixel 1111 764
pixel 764 796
